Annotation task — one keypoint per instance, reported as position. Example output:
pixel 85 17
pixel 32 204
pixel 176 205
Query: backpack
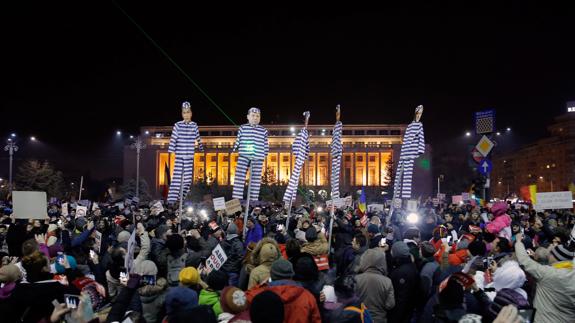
pixel 175 265
pixel 354 311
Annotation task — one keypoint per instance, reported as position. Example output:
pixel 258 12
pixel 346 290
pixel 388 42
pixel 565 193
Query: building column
pixel 316 160
pixel 217 167
pixel 366 168
pixel 279 171
pixel 353 169
pixel 229 169
pixel 329 170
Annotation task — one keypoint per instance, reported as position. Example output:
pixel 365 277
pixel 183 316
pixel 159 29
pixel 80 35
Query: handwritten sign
pixel 30 205
pixel 219 203
pixel 554 200
pixel 217 258
pixel 233 206
pixel 98 240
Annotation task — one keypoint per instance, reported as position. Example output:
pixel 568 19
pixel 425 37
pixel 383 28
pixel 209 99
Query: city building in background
pixel 549 162
pixel 369 152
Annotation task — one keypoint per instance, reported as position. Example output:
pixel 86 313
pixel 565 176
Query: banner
pixel 81 211
pixel 64 209
pixel 412 205
pixel 375 208
pixel 98 240
pixel 456 199
pixel 217 258
pixel 157 208
pixel 219 203
pixel 30 205
pixel 554 200
pixel 233 206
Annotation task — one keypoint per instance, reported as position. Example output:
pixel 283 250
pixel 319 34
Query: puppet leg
pixel 174 192
pixel 256 179
pixel 240 177
pixel 335 169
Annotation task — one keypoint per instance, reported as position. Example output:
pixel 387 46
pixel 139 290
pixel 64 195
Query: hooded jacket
pixel 555 295
pixel 299 304
pixel 254 234
pixel 265 253
pixel 234 250
pixel 211 298
pixel 405 279
pixel 500 222
pixel 374 288
pixel 153 298
pixel 316 248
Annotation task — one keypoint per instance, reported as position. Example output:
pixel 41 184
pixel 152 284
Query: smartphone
pixel 527 314
pixel 148 280
pixel 123 276
pixel 382 242
pixel 60 258
pixel 72 301
pixel 92 254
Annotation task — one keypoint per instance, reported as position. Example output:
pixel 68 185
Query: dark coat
pixel 234 249
pixel 405 279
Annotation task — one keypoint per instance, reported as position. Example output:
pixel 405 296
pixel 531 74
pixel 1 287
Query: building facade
pixel 368 154
pixel 549 162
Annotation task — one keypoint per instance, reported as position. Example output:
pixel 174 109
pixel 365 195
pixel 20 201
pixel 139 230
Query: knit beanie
pixel 400 250
pixel 267 307
pixel 372 228
pixel 300 235
pixel 306 269
pixel 233 300
pixel 232 229
pixel 427 249
pixel 146 267
pixel 281 269
pixel 160 231
pixel 311 234
pixel 180 299
pixel 217 280
pixel 189 276
pixel 561 253
pixel 477 248
pixel 123 236
pixel 452 295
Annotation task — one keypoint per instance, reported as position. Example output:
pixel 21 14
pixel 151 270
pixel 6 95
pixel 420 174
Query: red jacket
pixel 299 304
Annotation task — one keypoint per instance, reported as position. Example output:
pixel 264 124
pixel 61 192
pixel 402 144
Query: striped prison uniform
pixel 182 143
pixel 253 147
pixel 300 149
pixel 336 152
pixel 413 146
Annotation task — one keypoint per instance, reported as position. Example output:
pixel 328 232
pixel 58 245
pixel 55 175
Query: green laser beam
pixel 173 62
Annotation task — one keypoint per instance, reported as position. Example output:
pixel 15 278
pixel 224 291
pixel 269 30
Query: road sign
pixel 485 166
pixel 477 157
pixel 484 146
pixel 484 121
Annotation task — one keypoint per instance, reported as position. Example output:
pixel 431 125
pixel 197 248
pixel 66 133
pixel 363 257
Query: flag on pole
pixel 362 201
pixel 529 193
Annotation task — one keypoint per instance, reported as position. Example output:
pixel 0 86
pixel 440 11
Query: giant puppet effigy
pixel 412 147
pixel 300 149
pixel 253 147
pixel 183 140
pixel 336 153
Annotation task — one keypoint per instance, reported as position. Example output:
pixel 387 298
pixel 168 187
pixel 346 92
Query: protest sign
pixel 30 205
pixel 554 200
pixel 65 209
pixel 81 211
pixel 219 203
pixel 233 206
pixel 217 258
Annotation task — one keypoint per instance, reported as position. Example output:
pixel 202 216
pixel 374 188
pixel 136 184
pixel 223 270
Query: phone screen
pixel 527 314
pixel 149 280
pixel 72 301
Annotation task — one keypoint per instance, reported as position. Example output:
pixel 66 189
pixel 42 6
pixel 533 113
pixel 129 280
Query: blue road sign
pixel 485 166
pixel 484 121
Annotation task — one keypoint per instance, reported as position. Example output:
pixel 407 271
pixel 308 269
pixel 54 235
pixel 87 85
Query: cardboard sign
pixel 233 206
pixel 98 240
pixel 412 205
pixel 554 200
pixel 465 196
pixel 441 196
pixel 30 205
pixel 435 202
pixel 64 209
pixel 157 208
pixel 348 201
pixel 219 203
pixel 129 260
pixel 375 207
pixel 81 211
pixel 217 258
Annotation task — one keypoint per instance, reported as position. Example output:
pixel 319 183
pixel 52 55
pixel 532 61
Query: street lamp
pixel 138 144
pixel 11 148
pixel 32 138
pixel 508 129
pixel 468 134
pixel 118 133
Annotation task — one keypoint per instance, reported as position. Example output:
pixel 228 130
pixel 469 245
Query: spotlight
pixel 320 209
pixel 189 209
pixel 468 134
pixel 118 133
pixel 412 218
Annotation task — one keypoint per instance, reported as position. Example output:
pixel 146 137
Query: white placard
pixel 397 203
pixel 348 201
pixel 157 208
pixel 339 202
pixel 30 205
pixel 554 200
pixel 375 207
pixel 219 203
pixel 129 259
pixel 412 205
pixel 98 240
pixel 81 211
pixel 217 258
pixel 233 206
pixel 64 209
pixel 465 196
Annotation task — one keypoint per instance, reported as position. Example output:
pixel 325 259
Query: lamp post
pixel 11 148
pixel 138 144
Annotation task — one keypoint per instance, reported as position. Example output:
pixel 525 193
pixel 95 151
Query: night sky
pixel 93 71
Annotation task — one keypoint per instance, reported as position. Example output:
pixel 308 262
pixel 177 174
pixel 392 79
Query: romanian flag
pixel 529 193
pixel 362 201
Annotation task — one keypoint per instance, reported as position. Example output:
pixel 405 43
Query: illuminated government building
pixel 366 152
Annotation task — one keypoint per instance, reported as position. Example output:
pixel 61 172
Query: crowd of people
pixel 457 263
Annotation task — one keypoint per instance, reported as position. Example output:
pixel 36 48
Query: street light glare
pixel 12 135
pixel 190 209
pixel 292 129
pixel 33 138
pixel 499 133
pixel 467 134
pixel 147 132
pixel 320 209
pixel 118 133
pixel 131 137
pixel 508 129
pixel 412 218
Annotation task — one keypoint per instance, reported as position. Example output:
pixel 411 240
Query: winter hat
pixel 267 307
pixel 311 234
pixel 71 260
pixel 300 235
pixel 282 269
pixel 189 276
pixel 561 253
pixel 400 250
pixel 411 233
pixel 427 249
pixel 232 229
pixel 477 248
pixel 10 273
pixel 499 208
pixel 233 300
pixel 372 228
pixel 217 280
pixel 160 231
pixel 305 269
pixel 123 236
pixel 180 299
pixel 505 297
pixel 80 223
pixel 146 267
pixel 509 275
pixel 198 313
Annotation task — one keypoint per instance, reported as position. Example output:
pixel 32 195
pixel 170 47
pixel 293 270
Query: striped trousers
pixel 291 190
pixel 183 171
pixel 255 178
pixel 403 179
pixel 335 169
